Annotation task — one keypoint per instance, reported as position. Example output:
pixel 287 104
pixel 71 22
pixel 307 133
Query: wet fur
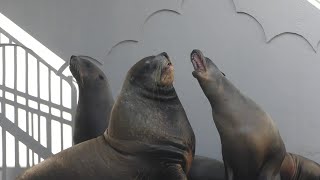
pixel 128 150
pixel 95 99
pixel 252 147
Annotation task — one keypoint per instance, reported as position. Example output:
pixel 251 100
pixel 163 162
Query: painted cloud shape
pixel 129 10
pixel 285 16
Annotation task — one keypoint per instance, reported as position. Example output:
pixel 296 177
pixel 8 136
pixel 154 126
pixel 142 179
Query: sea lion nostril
pixel 194 52
pixel 72 57
pixel 165 55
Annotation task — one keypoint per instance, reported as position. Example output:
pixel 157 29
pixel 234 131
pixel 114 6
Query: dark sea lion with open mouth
pixel 95 99
pixel 252 147
pixel 149 135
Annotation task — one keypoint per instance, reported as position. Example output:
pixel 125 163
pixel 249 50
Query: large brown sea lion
pixel 149 135
pixel 95 99
pixel 252 147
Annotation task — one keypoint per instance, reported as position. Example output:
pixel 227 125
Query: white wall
pixel 282 75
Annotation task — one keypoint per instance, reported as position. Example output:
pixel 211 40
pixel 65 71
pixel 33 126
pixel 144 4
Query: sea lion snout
pixel 198 60
pixel 84 70
pixel 167 69
pixel 164 57
pixel 199 63
pixel 204 68
pixel 73 59
pixel 164 54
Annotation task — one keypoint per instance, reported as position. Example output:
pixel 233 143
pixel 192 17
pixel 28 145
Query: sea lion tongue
pixel 201 64
pixel 198 60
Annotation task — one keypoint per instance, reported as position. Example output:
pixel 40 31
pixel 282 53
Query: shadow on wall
pixel 37 100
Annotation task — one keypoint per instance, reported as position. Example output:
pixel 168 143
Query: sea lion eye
pixel 101 77
pixel 88 65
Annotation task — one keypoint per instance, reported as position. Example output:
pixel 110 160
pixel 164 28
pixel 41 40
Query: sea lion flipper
pixel 271 168
pixel 228 171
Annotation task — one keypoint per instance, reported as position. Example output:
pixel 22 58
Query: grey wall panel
pixel 280 75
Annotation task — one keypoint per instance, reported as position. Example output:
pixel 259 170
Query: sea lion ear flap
pixel 223 73
pixel 101 77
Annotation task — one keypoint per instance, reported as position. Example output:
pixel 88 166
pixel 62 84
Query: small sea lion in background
pixel 95 99
pixel 149 135
pixel 295 167
pixel 252 147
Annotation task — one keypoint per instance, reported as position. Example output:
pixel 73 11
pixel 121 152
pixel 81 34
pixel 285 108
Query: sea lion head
pixel 204 69
pixel 86 72
pixel 148 118
pixel 153 73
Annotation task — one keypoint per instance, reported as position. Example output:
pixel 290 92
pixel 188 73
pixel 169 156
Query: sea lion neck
pixel 175 153
pixel 216 91
pixel 98 89
pixel 157 93
pixel 137 119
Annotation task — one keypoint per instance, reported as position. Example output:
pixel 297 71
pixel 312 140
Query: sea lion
pixel 252 147
pixel 95 99
pixel 100 116
pixel 149 135
pixel 296 167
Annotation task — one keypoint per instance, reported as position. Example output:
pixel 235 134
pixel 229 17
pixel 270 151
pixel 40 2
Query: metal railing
pixel 37 103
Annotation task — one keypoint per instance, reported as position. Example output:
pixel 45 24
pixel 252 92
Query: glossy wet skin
pixel 295 167
pixel 95 99
pixel 149 135
pixel 157 118
pixel 85 71
pixel 153 72
pixel 252 147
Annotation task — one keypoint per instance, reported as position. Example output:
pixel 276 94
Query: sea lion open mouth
pixel 198 60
